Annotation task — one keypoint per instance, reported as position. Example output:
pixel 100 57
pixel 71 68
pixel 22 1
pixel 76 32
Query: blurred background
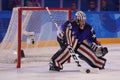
pixel 103 15
pixel 84 5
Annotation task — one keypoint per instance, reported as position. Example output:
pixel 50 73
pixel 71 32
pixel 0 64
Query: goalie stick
pixel 75 57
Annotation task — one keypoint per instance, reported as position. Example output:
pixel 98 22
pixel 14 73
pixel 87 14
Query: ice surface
pixel 40 70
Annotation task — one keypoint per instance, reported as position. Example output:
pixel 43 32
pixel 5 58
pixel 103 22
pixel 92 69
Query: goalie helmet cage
pixel 37 21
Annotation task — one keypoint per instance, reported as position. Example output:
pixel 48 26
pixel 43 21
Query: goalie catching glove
pixel 99 50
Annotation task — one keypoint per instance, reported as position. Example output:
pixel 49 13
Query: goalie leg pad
pixel 53 67
pixel 90 57
pixel 60 57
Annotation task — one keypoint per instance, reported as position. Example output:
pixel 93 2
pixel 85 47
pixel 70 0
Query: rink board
pixel 55 43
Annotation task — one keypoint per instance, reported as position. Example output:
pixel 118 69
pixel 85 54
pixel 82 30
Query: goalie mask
pixel 80 19
pixel 80 15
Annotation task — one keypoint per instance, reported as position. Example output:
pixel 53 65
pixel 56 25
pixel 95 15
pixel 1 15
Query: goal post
pixel 30 24
pixel 20 10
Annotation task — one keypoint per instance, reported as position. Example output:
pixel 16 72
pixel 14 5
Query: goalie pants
pixel 85 53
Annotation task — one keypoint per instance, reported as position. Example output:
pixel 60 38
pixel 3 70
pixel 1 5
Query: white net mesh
pixel 38 24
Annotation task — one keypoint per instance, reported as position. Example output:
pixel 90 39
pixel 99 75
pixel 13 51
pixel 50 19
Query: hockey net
pixel 28 24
